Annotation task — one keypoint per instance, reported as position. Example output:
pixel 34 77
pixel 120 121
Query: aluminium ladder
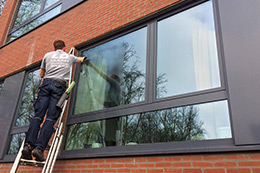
pixel 48 164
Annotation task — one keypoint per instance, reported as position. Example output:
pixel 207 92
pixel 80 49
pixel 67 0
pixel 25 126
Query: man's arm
pixel 42 72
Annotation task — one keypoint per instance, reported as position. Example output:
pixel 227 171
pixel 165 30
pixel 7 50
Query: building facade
pixel 171 85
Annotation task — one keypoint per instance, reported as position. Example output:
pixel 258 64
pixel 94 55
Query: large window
pixel 32 13
pixel 25 111
pixel 115 74
pixel 169 86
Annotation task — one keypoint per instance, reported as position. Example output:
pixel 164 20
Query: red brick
pixel 92 166
pixel 146 165
pixel 142 159
pixel 111 160
pixel 123 170
pixel 155 159
pixel 163 164
pixel 172 170
pixel 138 170
pixel 104 166
pixel 154 170
pixel 117 165
pixel 213 157
pixel 191 158
pixel 239 170
pixel 110 170
pixel 175 158
pixel 202 164
pixel 97 170
pixel 213 170
pixel 125 160
pixel 225 164
pixel 182 164
pixel 237 157
pixel 255 156
pixel 256 170
pixel 249 163
pixel 99 161
pixel 192 170
pixel 131 165
pixel 81 166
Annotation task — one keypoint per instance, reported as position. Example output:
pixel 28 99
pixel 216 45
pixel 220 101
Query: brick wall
pixel 208 163
pixel 84 22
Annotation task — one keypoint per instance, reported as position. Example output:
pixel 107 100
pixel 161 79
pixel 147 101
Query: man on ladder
pixel 55 71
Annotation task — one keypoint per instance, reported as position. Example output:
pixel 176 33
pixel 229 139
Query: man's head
pixel 58 44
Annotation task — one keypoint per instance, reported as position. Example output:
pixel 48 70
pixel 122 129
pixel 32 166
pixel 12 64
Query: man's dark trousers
pixel 49 95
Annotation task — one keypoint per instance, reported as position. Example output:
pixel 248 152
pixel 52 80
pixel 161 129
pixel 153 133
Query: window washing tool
pixel 65 95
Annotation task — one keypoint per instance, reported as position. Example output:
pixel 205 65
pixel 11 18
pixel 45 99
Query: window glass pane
pixel 16 142
pixel 115 74
pixel 27 10
pixel 189 123
pixel 2 5
pixel 26 109
pixel 35 23
pixel 48 3
pixel 187 59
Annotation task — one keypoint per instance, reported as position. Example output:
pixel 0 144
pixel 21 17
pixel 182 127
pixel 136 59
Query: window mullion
pixel 151 60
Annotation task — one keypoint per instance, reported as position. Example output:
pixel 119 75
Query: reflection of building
pixel 188 74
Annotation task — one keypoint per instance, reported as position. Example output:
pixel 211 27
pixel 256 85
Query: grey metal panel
pixel 241 39
pixel 67 4
pixel 8 102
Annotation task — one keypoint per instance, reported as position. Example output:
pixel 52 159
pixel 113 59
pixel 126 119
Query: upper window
pixel 115 74
pixel 32 13
pixel 2 5
pixel 187 58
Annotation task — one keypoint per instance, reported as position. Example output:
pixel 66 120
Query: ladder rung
pixel 34 163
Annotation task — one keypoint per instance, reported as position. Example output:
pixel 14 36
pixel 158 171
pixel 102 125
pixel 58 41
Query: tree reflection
pixel 178 124
pixel 26 109
pixel 16 142
pixel 2 4
pixel 27 10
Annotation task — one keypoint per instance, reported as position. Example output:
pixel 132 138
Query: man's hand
pixel 81 59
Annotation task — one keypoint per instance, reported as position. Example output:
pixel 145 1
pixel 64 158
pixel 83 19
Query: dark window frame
pixel 151 103
pixel 21 129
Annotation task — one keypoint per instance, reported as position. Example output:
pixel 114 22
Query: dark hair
pixel 58 44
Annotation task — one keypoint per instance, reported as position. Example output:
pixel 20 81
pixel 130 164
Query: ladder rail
pixel 17 159
pixel 56 153
pixel 55 148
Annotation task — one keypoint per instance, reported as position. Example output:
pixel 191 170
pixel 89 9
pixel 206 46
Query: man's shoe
pixel 27 152
pixel 38 154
